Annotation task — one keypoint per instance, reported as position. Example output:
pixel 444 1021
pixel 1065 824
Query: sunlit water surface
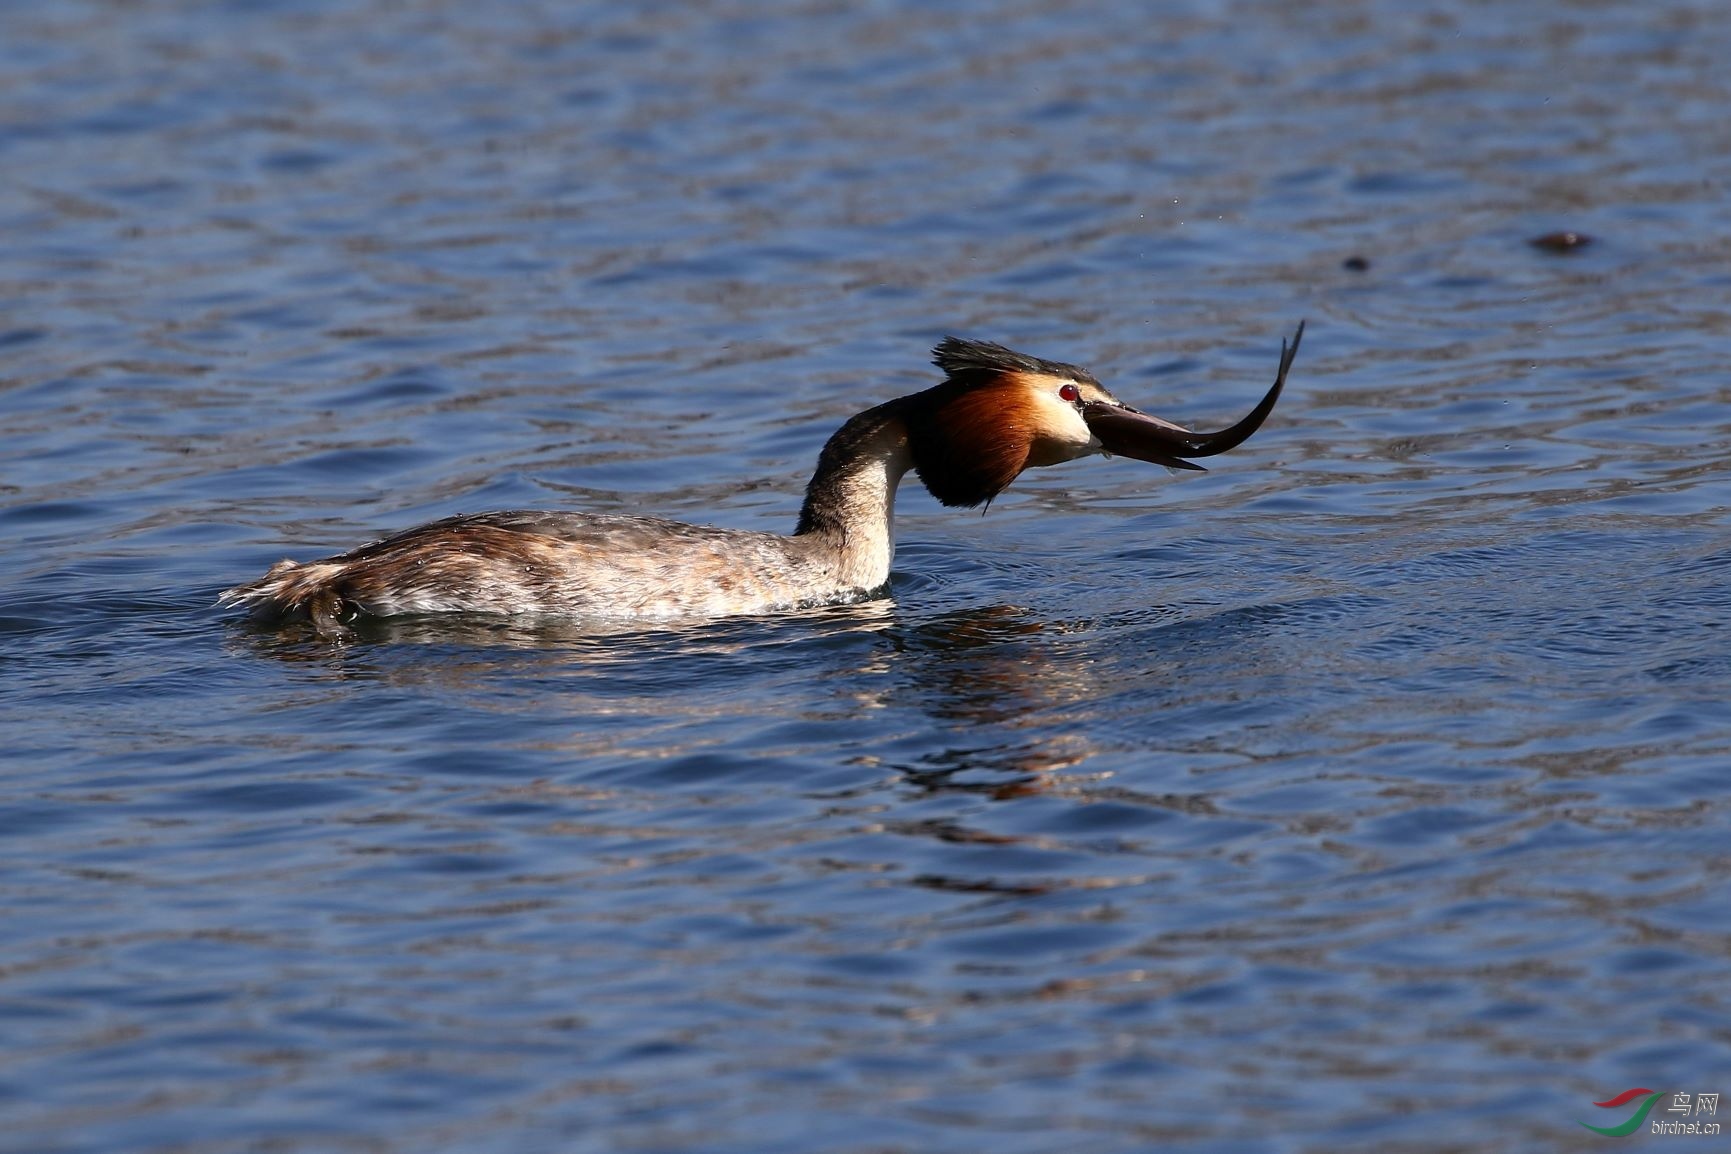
pixel 1368 791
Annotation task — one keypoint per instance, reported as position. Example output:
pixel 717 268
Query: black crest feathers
pixel 962 359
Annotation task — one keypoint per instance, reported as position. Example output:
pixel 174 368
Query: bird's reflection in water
pixel 458 648
pixel 1035 688
pixel 902 727
pixel 613 696
pixel 1000 670
pixel 1029 685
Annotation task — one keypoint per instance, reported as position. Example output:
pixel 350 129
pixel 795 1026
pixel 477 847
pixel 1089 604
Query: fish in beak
pixel 1125 432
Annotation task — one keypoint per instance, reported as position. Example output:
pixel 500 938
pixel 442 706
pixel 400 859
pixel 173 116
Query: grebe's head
pixel 999 412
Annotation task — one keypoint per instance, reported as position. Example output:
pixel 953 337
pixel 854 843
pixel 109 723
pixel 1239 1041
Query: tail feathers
pixel 291 591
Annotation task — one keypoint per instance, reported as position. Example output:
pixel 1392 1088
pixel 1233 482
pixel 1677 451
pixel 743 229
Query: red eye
pixel 1069 393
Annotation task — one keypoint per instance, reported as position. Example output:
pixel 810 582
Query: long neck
pixel 850 502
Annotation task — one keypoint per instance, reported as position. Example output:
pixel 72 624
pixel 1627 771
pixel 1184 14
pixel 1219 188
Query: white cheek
pixel 1076 430
pixel 1063 434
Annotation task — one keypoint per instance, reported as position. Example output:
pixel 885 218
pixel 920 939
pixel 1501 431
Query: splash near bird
pixel 996 413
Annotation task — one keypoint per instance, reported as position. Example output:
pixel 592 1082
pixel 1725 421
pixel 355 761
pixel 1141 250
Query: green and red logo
pixel 1635 1120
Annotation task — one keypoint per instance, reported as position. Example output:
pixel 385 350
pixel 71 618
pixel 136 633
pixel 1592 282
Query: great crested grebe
pixel 996 413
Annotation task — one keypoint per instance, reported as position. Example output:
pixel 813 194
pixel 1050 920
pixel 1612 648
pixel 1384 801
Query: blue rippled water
pixel 1368 791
